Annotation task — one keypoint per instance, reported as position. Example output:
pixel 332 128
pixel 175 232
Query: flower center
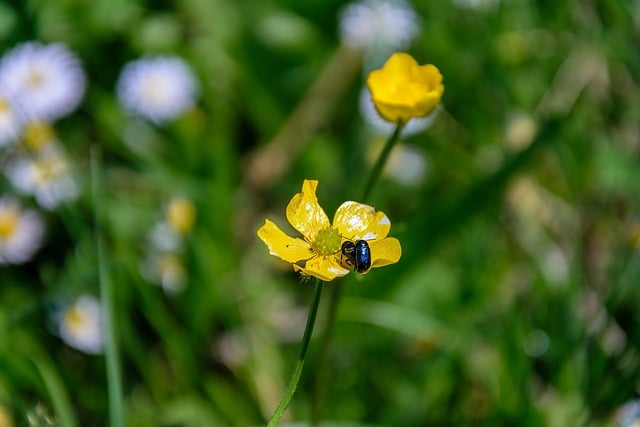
pixel 4 106
pixel 37 134
pixel 8 223
pixel 36 78
pixel 75 319
pixel 181 215
pixel 327 242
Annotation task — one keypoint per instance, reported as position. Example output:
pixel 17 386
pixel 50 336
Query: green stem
pixel 114 379
pixel 382 160
pixel 321 378
pixel 295 375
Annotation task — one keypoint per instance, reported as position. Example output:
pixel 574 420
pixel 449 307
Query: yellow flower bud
pixel 402 90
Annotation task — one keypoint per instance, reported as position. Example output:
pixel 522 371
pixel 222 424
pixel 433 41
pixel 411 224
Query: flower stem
pixel 114 378
pixel 297 370
pixel 334 298
pixel 382 160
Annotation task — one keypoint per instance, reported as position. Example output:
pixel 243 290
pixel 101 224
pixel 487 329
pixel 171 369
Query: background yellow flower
pixel 402 90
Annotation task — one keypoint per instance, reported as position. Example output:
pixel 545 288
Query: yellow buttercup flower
pixel 402 90
pixel 318 253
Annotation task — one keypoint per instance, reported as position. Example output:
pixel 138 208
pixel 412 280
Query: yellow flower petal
pixel 384 252
pixel 357 221
pixel 402 89
pixel 324 268
pixel 288 248
pixel 305 213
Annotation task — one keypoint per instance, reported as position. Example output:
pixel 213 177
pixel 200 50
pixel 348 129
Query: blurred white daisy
pixel 47 176
pixel 10 120
pixel 407 164
pixel 383 127
pixel 164 238
pixel 81 325
pixel 166 269
pixel 21 232
pixel 476 4
pixel 158 88
pixel 46 80
pixel 628 415
pixel 385 23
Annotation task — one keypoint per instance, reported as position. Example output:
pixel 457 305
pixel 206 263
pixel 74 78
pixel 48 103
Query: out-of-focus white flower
pixel 21 232
pixel 10 120
pixel 406 165
pixel 47 176
pixel 157 88
pixel 46 80
pixel 386 128
pixel 628 415
pixel 164 238
pixel 166 269
pixel 386 23
pixel 81 325
pixel 476 4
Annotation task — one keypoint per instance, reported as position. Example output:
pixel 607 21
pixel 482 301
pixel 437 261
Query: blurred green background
pixel 515 302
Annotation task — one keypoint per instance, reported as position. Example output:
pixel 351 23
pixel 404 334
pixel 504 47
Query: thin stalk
pixel 114 376
pixel 317 402
pixel 297 370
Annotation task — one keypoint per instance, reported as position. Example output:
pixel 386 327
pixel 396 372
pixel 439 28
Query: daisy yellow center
pixel 37 134
pixel 9 219
pixel 35 79
pixel 181 214
pixel 74 319
pixel 327 241
pixel 4 106
pixel 46 170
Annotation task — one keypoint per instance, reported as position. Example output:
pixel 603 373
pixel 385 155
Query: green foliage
pixel 515 301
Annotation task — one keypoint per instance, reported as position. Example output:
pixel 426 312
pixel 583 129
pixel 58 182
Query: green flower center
pixel 327 242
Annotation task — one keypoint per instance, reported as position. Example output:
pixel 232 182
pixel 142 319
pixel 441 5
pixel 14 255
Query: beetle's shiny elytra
pixel 358 255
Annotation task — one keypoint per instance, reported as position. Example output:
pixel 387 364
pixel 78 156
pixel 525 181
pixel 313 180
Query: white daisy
pixel 21 232
pixel 46 80
pixel 157 88
pixel 407 165
pixel 383 127
pixel 166 269
pixel 370 23
pixel 81 325
pixel 628 415
pixel 10 120
pixel 477 4
pixel 163 237
pixel 46 176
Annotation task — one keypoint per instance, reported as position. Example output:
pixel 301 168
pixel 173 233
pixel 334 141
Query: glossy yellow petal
pixel 324 268
pixel 287 248
pixel 402 89
pixel 359 221
pixel 384 252
pixel 305 214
